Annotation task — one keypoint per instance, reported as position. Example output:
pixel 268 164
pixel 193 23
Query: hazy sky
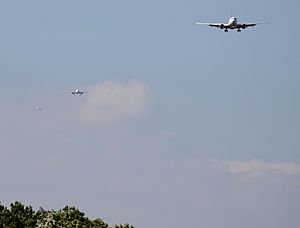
pixel 183 125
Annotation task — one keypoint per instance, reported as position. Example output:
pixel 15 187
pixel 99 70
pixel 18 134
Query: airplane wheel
pixel 238 30
pixel 225 30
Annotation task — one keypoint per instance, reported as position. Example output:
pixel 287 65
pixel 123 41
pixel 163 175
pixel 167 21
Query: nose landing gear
pixel 238 30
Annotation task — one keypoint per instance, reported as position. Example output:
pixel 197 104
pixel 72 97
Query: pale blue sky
pixel 169 104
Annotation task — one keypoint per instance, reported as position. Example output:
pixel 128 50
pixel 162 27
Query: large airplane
pixel 77 92
pixel 232 24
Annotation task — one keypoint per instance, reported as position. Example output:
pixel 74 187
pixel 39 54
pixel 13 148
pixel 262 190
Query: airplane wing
pixel 81 92
pixel 216 25
pixel 210 24
pixel 246 25
pixel 71 92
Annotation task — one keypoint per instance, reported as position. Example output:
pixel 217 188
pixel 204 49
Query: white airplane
pixel 77 92
pixel 232 24
pixel 37 109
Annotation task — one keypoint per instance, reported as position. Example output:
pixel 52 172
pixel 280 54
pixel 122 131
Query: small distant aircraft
pixel 77 92
pixel 232 24
pixel 37 109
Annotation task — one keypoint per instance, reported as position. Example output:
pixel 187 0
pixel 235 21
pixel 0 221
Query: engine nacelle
pixel 221 26
pixel 244 26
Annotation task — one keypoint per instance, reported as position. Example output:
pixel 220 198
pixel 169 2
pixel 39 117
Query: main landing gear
pixel 238 30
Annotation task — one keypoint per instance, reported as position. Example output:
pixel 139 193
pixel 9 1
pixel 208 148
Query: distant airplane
pixel 232 24
pixel 77 92
pixel 38 109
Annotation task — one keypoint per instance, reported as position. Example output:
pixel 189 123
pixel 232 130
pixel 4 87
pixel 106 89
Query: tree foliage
pixel 21 216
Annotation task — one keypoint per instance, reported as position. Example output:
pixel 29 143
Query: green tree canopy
pixel 21 216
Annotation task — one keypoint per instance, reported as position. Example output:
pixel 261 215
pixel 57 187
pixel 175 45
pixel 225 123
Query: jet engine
pixel 221 26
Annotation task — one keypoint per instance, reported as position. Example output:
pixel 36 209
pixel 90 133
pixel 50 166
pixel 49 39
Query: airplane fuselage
pixel 78 92
pixel 232 23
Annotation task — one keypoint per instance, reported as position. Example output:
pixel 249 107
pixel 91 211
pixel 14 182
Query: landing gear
pixel 226 30
pixel 238 30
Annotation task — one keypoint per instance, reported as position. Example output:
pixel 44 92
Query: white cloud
pixel 259 166
pixel 113 101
